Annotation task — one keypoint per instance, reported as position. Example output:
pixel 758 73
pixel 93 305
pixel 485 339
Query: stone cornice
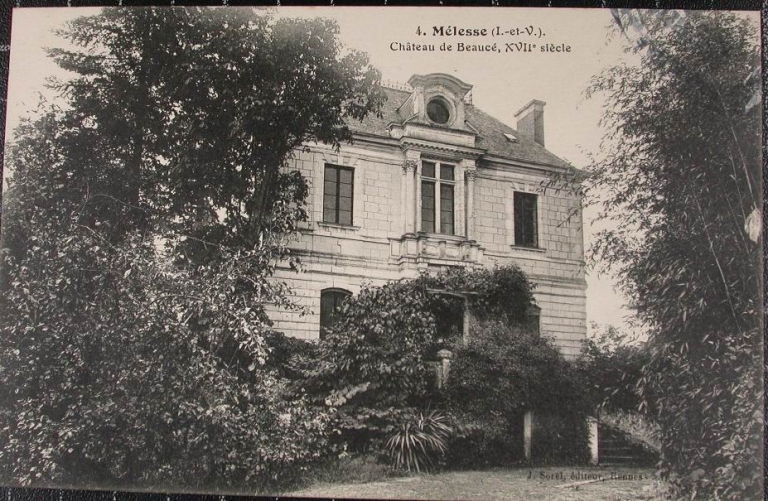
pixel 503 163
pixel 431 146
pixel 434 79
pixel 520 164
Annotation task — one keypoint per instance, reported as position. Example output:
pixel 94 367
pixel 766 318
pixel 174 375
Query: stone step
pixel 611 441
pixel 618 449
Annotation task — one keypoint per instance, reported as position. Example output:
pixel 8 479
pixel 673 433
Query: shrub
pixel 371 364
pixel 285 354
pixel 495 440
pixel 503 293
pixel 612 364
pixel 504 371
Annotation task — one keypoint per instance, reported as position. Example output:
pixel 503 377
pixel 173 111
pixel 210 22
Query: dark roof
pixel 491 131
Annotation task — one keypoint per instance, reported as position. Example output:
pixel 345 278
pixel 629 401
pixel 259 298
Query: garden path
pixel 534 484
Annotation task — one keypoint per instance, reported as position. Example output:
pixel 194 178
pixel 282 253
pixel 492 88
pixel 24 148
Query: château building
pixel 436 182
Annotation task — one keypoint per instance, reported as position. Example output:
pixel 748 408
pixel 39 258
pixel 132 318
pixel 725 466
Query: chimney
pixel 530 121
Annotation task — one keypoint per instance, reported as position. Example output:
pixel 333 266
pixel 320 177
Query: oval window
pixel 438 112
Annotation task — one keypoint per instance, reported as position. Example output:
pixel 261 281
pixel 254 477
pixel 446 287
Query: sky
pixel 503 81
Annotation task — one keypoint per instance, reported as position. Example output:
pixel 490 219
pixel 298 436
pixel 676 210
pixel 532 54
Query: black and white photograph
pixel 384 253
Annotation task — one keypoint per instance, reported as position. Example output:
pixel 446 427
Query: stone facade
pixel 490 162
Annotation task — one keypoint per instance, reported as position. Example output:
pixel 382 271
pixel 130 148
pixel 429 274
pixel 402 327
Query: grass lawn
pixel 551 484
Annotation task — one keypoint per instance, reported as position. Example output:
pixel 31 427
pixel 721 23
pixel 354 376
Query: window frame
pixel 438 182
pixel 337 210
pixel 339 295
pixel 519 213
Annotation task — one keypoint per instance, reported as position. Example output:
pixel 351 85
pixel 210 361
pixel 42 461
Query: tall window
pixel 526 220
pixel 438 185
pixel 337 195
pixel 330 300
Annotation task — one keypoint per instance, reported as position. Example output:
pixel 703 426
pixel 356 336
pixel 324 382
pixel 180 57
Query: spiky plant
pixel 418 441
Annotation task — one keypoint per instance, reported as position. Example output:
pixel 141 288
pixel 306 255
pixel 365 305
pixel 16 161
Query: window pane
pixel 446 222
pixel 437 111
pixel 345 190
pixel 428 207
pixel 446 209
pixel 428 194
pixel 446 172
pixel 326 306
pixel 330 187
pixel 428 169
pixel 345 203
pixel 331 173
pixel 330 192
pixel 326 313
pixel 329 208
pixel 534 223
pixel 345 176
pixel 532 323
pixel 446 197
pixel 520 218
pixel 345 217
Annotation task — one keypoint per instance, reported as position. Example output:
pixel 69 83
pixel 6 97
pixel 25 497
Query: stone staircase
pixel 618 448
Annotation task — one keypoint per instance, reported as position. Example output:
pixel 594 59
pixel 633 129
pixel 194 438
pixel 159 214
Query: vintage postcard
pixel 455 253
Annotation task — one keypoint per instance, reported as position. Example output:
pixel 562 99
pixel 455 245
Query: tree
pixel 680 181
pixel 145 216
pixel 187 115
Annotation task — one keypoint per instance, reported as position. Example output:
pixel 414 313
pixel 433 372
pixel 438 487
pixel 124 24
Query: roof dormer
pixel 435 112
pixel 437 99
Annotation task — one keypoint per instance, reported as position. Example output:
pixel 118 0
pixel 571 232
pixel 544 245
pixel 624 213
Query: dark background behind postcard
pixel 6 7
